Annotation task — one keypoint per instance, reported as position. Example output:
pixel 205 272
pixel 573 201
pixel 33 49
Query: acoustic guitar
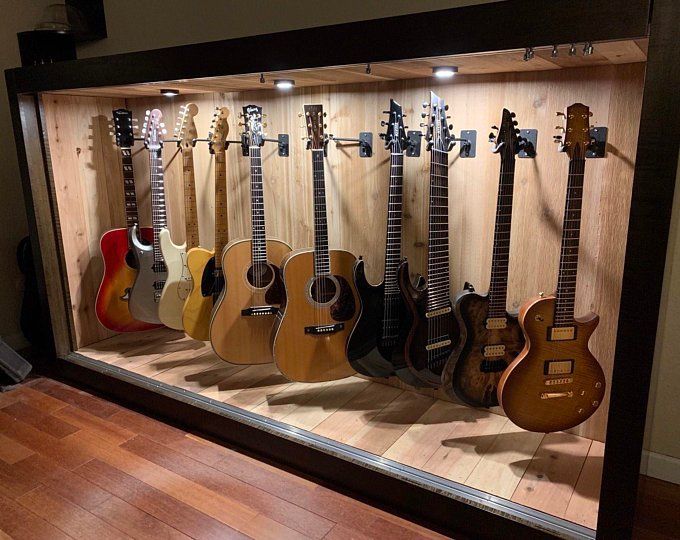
pixel 433 334
pixel 242 322
pixel 556 383
pixel 178 284
pixel 490 336
pixel 205 265
pixel 150 279
pixel 321 302
pixel 112 304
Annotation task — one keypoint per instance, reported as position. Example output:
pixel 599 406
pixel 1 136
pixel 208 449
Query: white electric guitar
pixel 179 282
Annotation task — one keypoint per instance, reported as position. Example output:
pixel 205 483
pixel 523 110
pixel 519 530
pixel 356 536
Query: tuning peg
pixel 558 113
pixel 299 115
pixel 557 138
pixel 325 115
pixel 111 133
pixel 163 131
pixel 386 112
pixel 382 136
pixel 561 128
pixel 423 115
pixel 451 127
pixel 446 107
pixel 514 122
pixel 590 113
pixel 517 131
pixel 424 104
pixel 383 123
pixel 405 127
pixel 422 125
pixel 494 127
pixel 512 115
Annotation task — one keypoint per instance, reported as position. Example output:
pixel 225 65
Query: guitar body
pixel 426 365
pixel 112 304
pixel 146 291
pixel 302 349
pixel 199 304
pixel 177 285
pixel 477 365
pixel 237 337
pixel 570 396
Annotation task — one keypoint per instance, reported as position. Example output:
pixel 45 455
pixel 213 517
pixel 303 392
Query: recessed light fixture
pixel 284 84
pixel 169 92
pixel 444 72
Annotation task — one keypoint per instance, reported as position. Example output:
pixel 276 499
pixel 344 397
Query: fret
pixel 221 207
pixel 130 193
pixel 158 215
pixel 322 265
pixel 438 285
pixel 257 213
pixel 190 210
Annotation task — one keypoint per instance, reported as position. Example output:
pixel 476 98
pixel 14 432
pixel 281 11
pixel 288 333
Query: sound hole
pixel 260 275
pixel 323 289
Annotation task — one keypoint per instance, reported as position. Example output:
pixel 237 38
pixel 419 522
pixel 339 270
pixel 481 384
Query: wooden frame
pixel 505 25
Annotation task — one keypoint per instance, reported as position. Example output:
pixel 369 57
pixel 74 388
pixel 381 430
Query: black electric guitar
pixel 491 337
pixel 434 333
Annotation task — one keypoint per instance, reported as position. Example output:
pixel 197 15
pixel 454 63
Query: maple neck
pixel 394 225
pixel 131 210
pixel 257 217
pixel 498 288
pixel 158 215
pixel 221 217
pixel 190 210
pixel 571 232
pixel 322 261
pixel 438 230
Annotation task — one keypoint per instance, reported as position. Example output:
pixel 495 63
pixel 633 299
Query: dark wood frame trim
pixel 505 25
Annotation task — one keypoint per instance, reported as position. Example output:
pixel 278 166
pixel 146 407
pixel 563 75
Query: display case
pixel 416 449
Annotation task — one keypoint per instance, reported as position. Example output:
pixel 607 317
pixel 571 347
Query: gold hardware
pixel 538 318
pixel 495 323
pixel 562 333
pixel 560 367
pixel 596 403
pixel 598 385
pixel 491 351
pixel 438 345
pixel 438 312
pixel 580 410
pixel 553 395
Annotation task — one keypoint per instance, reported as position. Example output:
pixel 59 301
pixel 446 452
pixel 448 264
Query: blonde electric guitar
pixel 204 266
pixel 321 300
pixel 178 284
pixel 240 331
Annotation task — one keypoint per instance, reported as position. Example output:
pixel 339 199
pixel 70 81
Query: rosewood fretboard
pixel 322 262
pixel 257 217
pixel 438 236
pixel 131 210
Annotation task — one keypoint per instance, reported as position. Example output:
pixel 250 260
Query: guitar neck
pixel 131 210
pixel 158 216
pixel 571 232
pixel 394 225
pixel 257 217
pixel 221 217
pixel 498 288
pixel 322 262
pixel 190 210
pixel 438 243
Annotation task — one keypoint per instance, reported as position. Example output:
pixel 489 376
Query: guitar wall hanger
pixel 529 140
pixel 467 140
pixel 282 140
pixel 365 143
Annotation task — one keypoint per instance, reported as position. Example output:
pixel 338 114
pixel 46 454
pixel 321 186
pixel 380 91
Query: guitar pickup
pixel 438 345
pixel 256 311
pixel 558 367
pixel 438 312
pixel 324 329
pixel 496 323
pixel 491 351
pixel 561 333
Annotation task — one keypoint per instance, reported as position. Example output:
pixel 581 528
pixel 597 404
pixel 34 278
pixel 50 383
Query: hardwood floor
pixel 73 465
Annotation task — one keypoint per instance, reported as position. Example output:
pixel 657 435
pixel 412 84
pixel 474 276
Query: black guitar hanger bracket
pixel 598 142
pixel 528 143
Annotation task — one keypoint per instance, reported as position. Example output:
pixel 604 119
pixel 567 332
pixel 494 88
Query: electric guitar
pixel 205 265
pixel 150 279
pixel 376 344
pixel 490 336
pixel 321 302
pixel 112 307
pixel 433 334
pixel 242 322
pixel 556 383
pixel 178 284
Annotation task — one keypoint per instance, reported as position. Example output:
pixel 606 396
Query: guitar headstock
pixel 153 130
pixel 219 130
pixel 122 128
pixel 438 130
pixel 507 142
pixel 395 134
pixel 252 122
pixel 576 138
pixel 316 138
pixel 185 129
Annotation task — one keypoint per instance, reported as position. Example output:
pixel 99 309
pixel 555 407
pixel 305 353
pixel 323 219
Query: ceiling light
pixel 169 92
pixel 284 84
pixel 444 72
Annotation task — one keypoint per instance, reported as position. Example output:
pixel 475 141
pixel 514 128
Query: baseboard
pixel 660 466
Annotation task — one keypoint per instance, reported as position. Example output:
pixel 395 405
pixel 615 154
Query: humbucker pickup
pixel 438 345
pixel 558 367
pixel 438 312
pixel 561 333
pixel 496 323
pixel 491 351
pixel 324 329
pixel 256 311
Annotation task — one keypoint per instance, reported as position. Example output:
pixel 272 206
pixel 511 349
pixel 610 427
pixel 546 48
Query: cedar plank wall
pixel 87 177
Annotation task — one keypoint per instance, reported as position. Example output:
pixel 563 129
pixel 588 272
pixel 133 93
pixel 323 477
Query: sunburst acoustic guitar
pixel 556 383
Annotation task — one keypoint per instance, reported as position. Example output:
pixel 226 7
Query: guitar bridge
pixel 323 329
pixel 554 395
pixel 257 311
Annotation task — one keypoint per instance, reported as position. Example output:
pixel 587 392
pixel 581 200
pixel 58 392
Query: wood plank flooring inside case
pixel 557 473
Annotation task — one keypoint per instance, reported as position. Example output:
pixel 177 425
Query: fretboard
pixel 158 217
pixel 257 218
pixel 131 211
pixel 221 217
pixel 438 238
pixel 571 231
pixel 394 228
pixel 498 288
pixel 322 262
pixel 190 211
